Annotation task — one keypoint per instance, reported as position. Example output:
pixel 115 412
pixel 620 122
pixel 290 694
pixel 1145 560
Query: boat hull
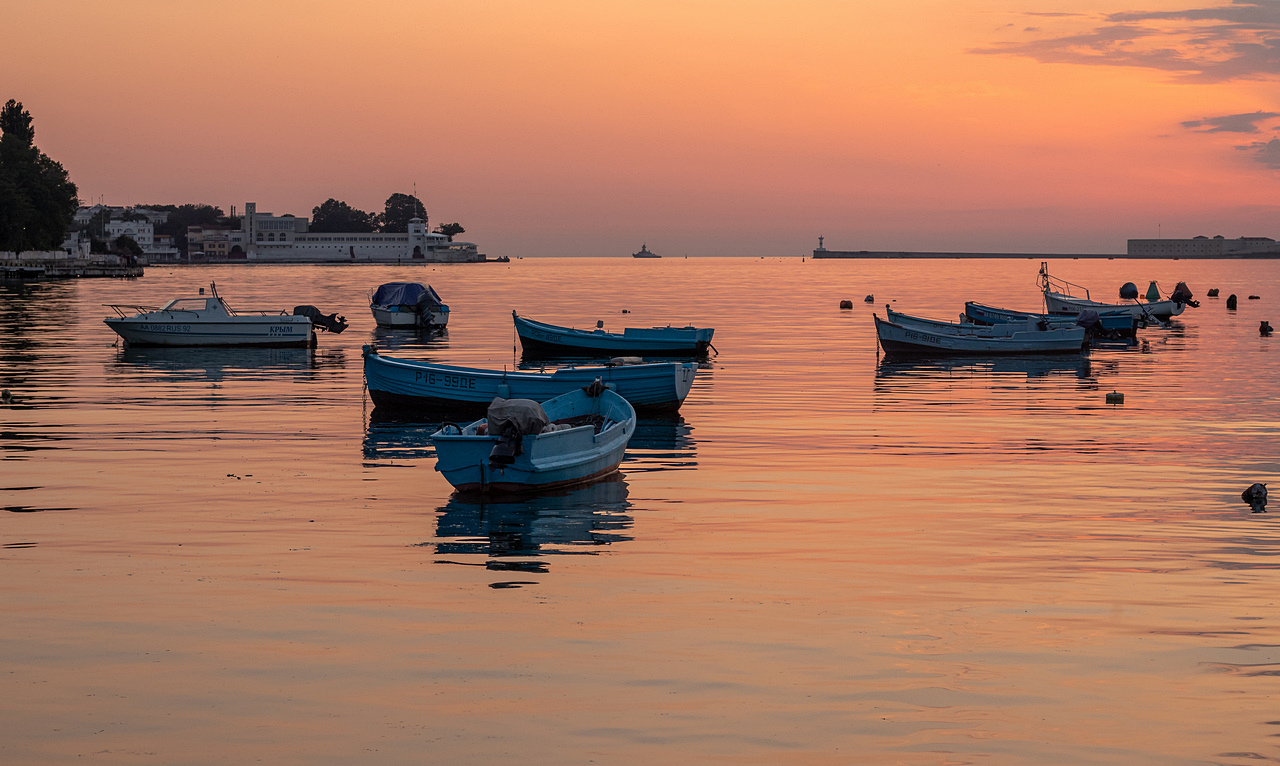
pixel 898 339
pixel 391 318
pixel 546 461
pixel 1056 303
pixel 279 331
pixel 1121 322
pixel 541 340
pixel 407 384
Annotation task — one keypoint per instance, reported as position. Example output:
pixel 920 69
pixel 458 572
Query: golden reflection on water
pixel 828 557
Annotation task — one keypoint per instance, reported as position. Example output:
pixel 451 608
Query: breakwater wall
pixel 1033 256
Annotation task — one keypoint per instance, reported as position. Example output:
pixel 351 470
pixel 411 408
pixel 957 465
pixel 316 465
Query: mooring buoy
pixel 1231 302
pixel 846 304
pixel 869 299
pixel 1264 328
pixel 1213 292
pixel 1254 297
pixel 1115 397
pixel 1256 497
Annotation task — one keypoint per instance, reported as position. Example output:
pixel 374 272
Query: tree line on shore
pixel 334 215
pixel 38 202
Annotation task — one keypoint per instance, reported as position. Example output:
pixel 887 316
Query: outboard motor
pixel 1089 320
pixel 423 308
pixel 1128 291
pixel 510 420
pixel 1182 294
pixel 330 322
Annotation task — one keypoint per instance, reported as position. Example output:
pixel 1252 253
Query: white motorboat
pixel 523 447
pixel 408 305
pixel 207 320
pixel 1062 297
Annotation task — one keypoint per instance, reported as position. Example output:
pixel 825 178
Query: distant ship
pixel 645 253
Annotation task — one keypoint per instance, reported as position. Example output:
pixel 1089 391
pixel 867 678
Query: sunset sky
pixel 703 128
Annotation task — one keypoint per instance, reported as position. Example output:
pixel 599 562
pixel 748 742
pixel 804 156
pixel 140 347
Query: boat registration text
pixel 165 328
pixel 441 379
pixel 925 337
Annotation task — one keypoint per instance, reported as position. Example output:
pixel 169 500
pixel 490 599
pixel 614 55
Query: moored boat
pixel 408 304
pixel 964 327
pixel 520 446
pixel 896 338
pixel 207 320
pixel 409 384
pixel 1121 323
pixel 541 340
pixel 1062 297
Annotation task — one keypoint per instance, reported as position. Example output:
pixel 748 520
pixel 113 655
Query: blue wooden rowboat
pixel 926 339
pixel 1122 323
pixel 405 383
pixel 594 429
pixel 541 340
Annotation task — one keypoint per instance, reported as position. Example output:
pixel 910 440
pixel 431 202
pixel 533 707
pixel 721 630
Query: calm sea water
pixel 227 556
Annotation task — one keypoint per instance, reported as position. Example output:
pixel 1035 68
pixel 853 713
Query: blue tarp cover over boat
pixel 405 294
pixel 408 304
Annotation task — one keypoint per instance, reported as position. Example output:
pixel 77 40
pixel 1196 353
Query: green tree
pixel 335 215
pixel 400 209
pixel 450 229
pixel 37 198
pixel 126 245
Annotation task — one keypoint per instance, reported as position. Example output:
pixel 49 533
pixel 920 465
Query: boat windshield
pixel 187 304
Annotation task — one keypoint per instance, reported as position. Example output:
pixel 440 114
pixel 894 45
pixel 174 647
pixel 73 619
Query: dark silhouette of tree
pixel 126 245
pixel 335 215
pixel 450 229
pixel 37 198
pixel 400 209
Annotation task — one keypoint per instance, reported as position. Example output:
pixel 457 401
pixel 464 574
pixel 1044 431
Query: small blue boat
pixel 520 447
pixel 1120 323
pixel 541 340
pixel 404 383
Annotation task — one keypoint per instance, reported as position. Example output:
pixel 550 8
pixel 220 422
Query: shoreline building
pixel 1205 247
pixel 267 238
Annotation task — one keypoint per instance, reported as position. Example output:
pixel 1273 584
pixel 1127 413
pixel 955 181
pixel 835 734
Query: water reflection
pixel 393 435
pixel 1071 365
pixel 387 339
pixel 218 364
pixel 18 441
pixel 573 522
pixel 657 444
pixel 661 444
pixel 984 382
